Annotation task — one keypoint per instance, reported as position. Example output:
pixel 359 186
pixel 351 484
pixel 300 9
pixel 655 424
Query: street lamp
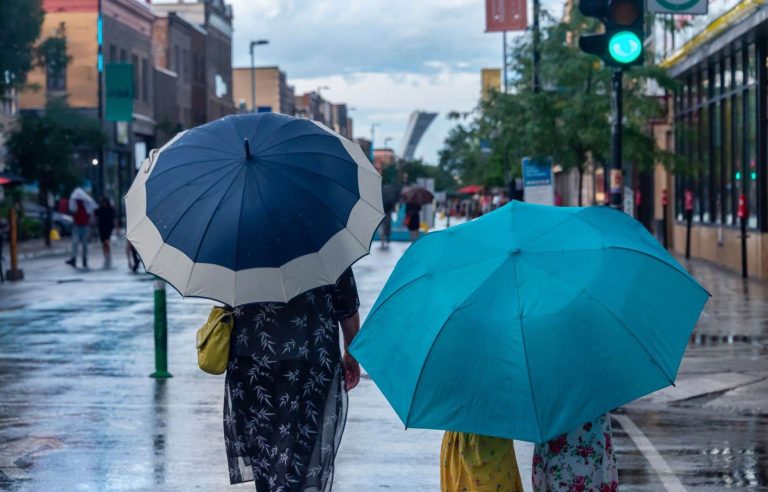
pixel 373 133
pixel 320 90
pixel 253 72
pixel 386 142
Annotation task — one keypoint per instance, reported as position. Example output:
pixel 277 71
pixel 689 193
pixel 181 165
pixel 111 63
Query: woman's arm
pixel 349 328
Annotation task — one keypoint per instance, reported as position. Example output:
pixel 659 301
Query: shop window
pixel 727 161
pixel 751 169
pixel 704 159
pixel 716 164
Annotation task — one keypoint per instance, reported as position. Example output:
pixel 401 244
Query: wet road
pixel 78 412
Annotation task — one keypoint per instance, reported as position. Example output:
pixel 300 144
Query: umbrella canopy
pixel 82 195
pixel 471 189
pixel 390 195
pixel 254 208
pixel 10 179
pixel 417 195
pixel 528 322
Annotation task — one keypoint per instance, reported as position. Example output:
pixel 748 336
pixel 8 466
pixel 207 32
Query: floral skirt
pixel 283 421
pixel 475 463
pixel 579 461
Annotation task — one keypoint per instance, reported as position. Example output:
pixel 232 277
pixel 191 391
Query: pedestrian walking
pixel 105 223
pixel 82 206
pixel 277 247
pixel 386 226
pixel 285 402
pixel 478 463
pixel 582 459
pixel 413 219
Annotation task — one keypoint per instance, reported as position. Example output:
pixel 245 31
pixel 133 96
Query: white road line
pixel 659 464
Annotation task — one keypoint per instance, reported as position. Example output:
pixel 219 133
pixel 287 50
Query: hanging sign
pixel 693 7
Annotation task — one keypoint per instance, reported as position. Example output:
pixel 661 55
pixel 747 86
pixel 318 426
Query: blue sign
pixel 537 173
pixel 264 109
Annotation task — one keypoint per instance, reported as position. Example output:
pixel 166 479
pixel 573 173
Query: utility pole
pixel 536 47
pixel 616 180
pixel 506 59
pixel 99 188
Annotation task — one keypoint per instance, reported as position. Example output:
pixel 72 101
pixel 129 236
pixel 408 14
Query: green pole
pixel 161 333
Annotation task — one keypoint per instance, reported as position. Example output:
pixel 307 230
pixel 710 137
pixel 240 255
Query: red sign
pixel 688 200
pixel 664 198
pixel 742 211
pixel 506 15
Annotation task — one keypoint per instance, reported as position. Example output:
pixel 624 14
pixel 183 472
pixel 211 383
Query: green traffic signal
pixel 625 47
pixel 738 175
pixel 753 175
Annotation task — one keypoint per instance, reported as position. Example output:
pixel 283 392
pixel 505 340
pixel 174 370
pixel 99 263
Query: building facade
pixel 273 94
pixel 718 129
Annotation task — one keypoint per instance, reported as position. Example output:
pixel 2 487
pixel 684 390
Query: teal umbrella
pixel 528 322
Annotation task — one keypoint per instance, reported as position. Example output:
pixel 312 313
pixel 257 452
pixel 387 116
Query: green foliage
pixel 41 146
pixel 417 169
pixel 20 23
pixel 568 120
pixel 52 52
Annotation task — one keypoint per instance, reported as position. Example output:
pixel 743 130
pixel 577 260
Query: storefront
pixel 719 134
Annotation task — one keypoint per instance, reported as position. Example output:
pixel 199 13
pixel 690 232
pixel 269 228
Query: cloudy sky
pixel 385 58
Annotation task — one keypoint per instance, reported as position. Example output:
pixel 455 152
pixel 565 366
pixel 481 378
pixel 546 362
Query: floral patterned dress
pixel 582 460
pixel 284 403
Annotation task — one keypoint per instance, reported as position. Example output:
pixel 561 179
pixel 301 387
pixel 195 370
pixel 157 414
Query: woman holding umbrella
pixel 266 213
pixel 415 197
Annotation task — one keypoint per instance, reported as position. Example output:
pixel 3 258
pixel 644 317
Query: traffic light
pixel 621 45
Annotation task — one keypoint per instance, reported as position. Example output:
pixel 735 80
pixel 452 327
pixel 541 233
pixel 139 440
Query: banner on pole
pixel 538 181
pixel 119 92
pixel 506 15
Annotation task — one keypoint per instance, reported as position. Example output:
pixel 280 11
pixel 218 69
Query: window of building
pixel 136 74
pixel 112 53
pixel 176 60
pixel 55 79
pixel 144 79
pixel 123 56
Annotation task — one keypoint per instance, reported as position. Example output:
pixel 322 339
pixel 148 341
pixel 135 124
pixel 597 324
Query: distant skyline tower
pixel 417 126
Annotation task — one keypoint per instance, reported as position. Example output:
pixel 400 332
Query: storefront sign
pixel 506 15
pixel 119 91
pixel 538 181
pixel 694 7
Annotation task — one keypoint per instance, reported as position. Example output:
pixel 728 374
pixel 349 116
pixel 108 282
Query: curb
pixel 46 253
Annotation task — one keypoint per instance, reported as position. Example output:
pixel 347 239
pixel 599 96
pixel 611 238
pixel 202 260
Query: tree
pixel 567 120
pixel 41 146
pixel 20 24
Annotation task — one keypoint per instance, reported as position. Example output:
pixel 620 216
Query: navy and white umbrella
pixel 253 208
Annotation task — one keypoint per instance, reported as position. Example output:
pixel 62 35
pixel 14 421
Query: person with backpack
pixel 82 206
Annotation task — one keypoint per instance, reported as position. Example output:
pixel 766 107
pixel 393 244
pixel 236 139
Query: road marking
pixel 659 464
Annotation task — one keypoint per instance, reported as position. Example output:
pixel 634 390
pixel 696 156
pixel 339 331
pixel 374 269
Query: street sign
pixel 693 7
pixel 506 15
pixel 119 90
pixel 538 181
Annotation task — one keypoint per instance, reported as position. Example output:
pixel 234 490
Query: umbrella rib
pixel 183 215
pixel 656 258
pixel 442 327
pixel 237 235
pixel 264 206
pixel 203 129
pixel 525 352
pixel 303 135
pixel 318 200
pixel 614 315
pixel 327 178
pixel 170 195
pixel 274 131
pixel 350 161
pixel 202 161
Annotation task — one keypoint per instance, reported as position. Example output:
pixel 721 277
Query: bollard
pixel 15 273
pixel 161 333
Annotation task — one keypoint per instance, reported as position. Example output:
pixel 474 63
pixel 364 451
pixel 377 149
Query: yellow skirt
pixel 474 463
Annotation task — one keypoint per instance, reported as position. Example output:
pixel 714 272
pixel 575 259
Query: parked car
pixel 63 223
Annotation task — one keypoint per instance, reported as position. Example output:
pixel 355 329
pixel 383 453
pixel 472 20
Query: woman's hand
pixel 351 371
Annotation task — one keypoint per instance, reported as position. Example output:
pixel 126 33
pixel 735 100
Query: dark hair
pixel 104 202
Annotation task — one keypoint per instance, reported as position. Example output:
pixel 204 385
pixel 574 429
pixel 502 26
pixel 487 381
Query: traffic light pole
pixel 617 181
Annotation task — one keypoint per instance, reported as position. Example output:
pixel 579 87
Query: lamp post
pixel 254 44
pixel 373 133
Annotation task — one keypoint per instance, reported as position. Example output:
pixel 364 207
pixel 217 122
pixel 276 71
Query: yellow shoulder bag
pixel 213 341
